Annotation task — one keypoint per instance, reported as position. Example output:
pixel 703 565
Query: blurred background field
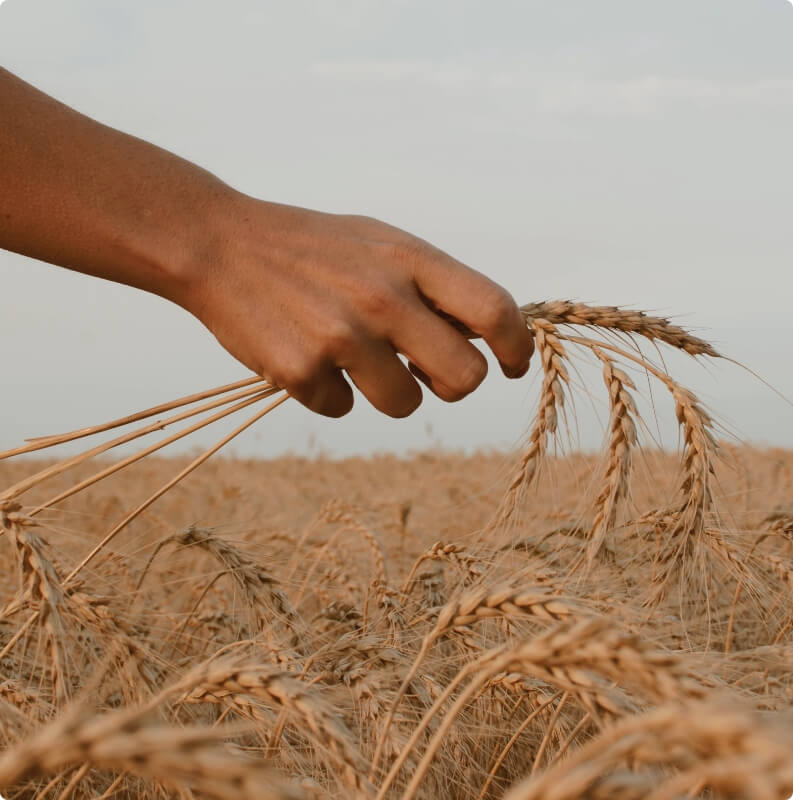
pixel 331 573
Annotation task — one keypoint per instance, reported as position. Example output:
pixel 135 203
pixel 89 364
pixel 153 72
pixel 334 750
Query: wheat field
pixel 560 625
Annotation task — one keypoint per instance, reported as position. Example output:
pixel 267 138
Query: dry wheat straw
pixel 43 442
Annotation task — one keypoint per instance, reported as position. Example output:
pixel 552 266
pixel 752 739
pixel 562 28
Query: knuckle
pixel 447 395
pixel 496 308
pixel 468 378
pixel 355 222
pixel 339 339
pixel 410 252
pixel 363 220
pixel 298 374
pixel 377 300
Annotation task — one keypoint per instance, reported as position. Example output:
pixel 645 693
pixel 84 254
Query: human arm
pixel 300 296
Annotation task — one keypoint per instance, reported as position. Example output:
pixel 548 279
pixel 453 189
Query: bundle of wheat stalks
pixel 625 641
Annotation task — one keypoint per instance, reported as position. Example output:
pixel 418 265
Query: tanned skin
pixel 302 297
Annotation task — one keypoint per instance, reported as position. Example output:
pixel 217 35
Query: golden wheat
pixel 600 627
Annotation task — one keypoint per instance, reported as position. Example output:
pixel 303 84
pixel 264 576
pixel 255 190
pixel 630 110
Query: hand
pixel 302 297
pixel 298 296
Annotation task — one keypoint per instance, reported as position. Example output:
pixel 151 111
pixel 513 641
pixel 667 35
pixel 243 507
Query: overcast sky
pixel 612 151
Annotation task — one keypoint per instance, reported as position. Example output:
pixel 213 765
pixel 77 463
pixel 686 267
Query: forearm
pixel 79 194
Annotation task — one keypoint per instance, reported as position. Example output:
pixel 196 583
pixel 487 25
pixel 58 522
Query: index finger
pixel 479 304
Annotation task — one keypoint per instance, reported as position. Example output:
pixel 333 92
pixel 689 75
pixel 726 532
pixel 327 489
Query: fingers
pixel 479 304
pixel 385 380
pixel 373 366
pixel 440 356
pixel 325 392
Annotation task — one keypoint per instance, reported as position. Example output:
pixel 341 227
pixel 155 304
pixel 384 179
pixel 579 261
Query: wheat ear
pixel 179 757
pixel 564 657
pixel 622 439
pixel 555 377
pixel 228 683
pixel 678 735
pixel 564 312
pixel 479 604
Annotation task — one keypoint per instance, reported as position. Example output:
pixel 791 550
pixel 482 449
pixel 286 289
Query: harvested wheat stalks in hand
pixel 603 626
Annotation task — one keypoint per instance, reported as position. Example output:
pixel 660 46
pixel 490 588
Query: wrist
pixel 203 249
pixel 234 230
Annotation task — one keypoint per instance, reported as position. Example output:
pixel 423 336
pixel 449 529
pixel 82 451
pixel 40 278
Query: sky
pixel 614 152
